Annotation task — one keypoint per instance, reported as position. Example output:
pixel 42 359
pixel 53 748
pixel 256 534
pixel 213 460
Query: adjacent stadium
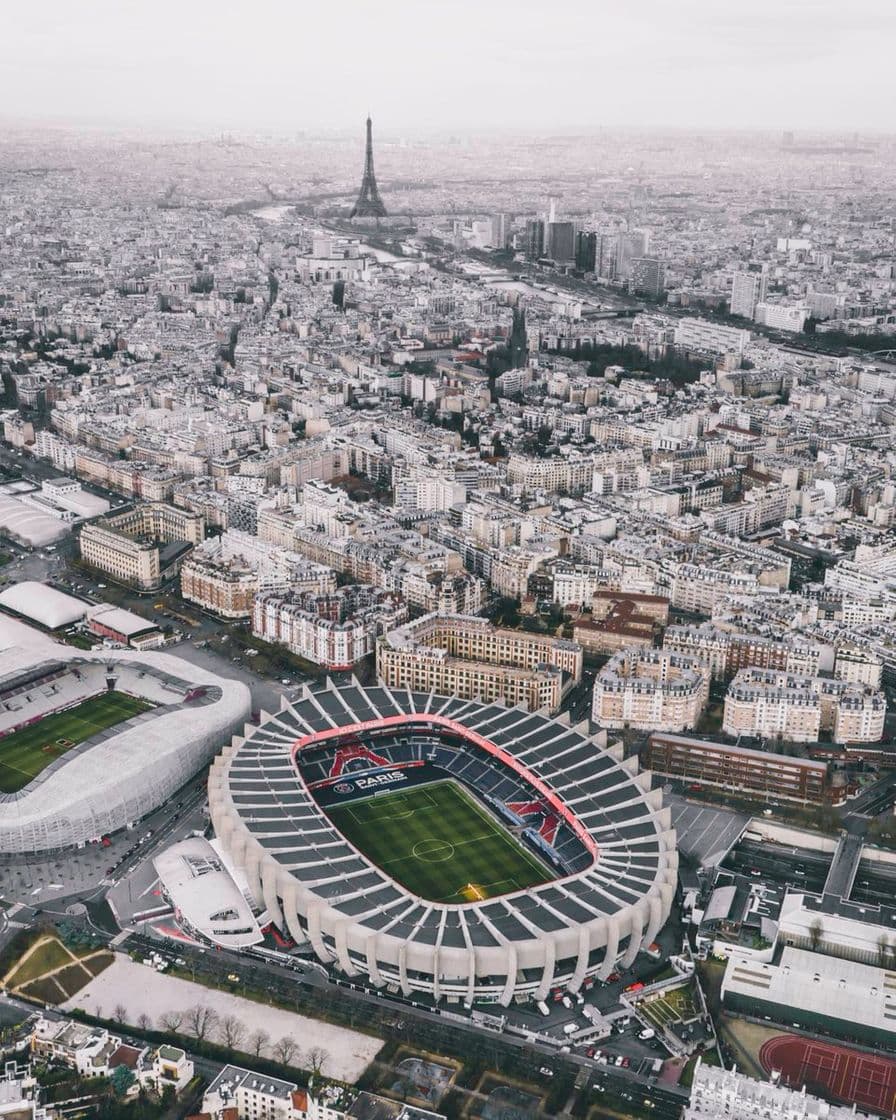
pixel 469 851
pixel 92 742
pixel 28 751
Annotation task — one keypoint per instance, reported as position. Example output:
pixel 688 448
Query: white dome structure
pixel 42 604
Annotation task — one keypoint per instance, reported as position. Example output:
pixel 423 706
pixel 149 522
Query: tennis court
pixel 835 1072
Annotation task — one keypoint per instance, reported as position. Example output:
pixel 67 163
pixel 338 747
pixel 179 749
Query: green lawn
pixel 48 956
pixel 439 844
pixel 25 753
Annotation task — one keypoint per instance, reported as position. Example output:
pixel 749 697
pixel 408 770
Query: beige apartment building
pixel 144 547
pixel 227 589
pixel 465 656
pixel 775 704
pixel 650 689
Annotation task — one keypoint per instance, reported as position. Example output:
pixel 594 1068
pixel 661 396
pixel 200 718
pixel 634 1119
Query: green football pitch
pixel 439 844
pixel 25 753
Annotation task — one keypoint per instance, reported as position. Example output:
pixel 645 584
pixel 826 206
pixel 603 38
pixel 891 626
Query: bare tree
pixel 816 931
pixel 284 1050
pixel 143 1021
pixel 171 1021
pixel 119 1013
pixel 232 1031
pixel 200 1020
pixel 316 1059
pixel 258 1040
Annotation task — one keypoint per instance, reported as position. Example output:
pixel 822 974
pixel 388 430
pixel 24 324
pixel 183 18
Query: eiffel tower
pixel 369 204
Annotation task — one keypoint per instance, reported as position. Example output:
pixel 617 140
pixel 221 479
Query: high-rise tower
pixel 369 204
pixel 519 342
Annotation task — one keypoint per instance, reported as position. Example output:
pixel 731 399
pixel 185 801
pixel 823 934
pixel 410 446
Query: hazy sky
pixel 439 64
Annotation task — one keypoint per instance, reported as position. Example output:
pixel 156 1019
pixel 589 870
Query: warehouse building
pixel 856 931
pixel 825 995
pixel 124 627
pixel 28 526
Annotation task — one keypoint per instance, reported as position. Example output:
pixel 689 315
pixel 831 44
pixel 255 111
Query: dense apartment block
pixel 648 688
pixel 144 547
pixel 242 1094
pixel 727 652
pixel 779 705
pixel 465 656
pixel 725 1092
pixel 336 630
pixel 225 573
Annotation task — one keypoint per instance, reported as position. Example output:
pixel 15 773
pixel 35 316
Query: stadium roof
pixel 617 841
pixel 126 771
pixel 43 604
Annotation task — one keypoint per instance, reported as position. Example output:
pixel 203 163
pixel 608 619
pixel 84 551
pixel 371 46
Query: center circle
pixel 433 851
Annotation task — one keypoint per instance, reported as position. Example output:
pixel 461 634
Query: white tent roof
pixel 25 523
pixel 46 605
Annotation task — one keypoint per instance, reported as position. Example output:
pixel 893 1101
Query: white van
pixel 543 1007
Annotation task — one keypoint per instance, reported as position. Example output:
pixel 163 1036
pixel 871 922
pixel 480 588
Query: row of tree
pixel 204 1023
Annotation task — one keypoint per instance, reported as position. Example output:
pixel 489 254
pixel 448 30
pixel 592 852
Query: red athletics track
pixel 849 1076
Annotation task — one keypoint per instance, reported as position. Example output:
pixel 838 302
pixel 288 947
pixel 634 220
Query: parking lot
pixel 705 833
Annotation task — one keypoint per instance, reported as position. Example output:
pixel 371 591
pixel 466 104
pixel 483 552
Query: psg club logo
pixel 343 787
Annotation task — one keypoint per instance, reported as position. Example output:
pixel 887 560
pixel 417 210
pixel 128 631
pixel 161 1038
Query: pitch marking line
pixel 440 852
pixel 452 843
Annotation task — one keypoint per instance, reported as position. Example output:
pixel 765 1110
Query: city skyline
pixel 448 560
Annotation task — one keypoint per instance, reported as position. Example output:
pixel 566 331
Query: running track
pixel 850 1076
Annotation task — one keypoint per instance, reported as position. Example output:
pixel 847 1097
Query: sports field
pixel 833 1072
pixel 439 844
pixel 25 753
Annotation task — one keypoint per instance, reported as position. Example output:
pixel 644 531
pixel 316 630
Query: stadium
pixel 469 851
pixel 92 742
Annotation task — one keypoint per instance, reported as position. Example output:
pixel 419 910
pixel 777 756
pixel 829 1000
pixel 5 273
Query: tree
pixel 258 1040
pixel 316 1059
pixel 121 1080
pixel 285 1050
pixel 883 950
pixel 232 1031
pixel 144 1022
pixel 119 1013
pixel 816 930
pixel 200 1020
pixel 171 1021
